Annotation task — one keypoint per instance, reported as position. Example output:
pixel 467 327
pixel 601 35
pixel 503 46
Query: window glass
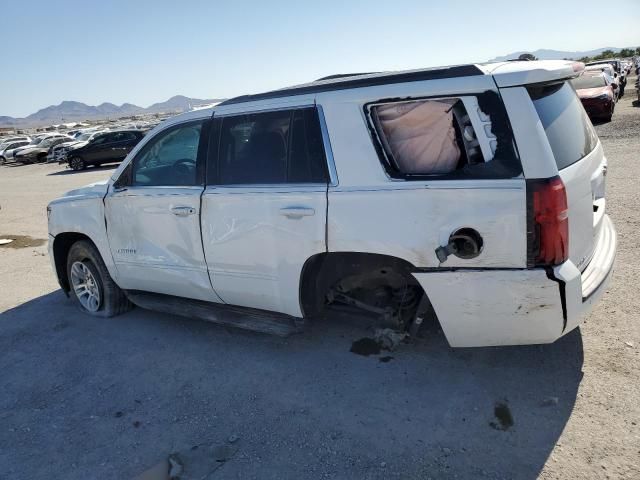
pixel 568 129
pixel 307 162
pixel 99 139
pixel 170 158
pixel 588 81
pixel 122 136
pixel 271 148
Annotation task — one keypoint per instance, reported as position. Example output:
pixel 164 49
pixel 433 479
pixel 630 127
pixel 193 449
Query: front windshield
pixel 84 137
pixel 588 81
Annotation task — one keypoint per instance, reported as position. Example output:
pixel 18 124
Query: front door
pixel 153 217
pixel 264 208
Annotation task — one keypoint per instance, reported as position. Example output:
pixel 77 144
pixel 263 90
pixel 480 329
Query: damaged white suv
pixel 477 191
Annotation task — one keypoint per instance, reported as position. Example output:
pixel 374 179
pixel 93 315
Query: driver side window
pixel 169 159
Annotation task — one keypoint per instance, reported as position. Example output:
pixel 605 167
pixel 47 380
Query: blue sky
pixel 146 51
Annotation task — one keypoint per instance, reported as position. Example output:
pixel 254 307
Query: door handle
pixel 183 211
pixel 297 212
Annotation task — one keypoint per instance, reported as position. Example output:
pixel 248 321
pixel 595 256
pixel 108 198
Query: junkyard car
pixel 38 153
pixel 7 149
pixel 477 191
pixel 105 147
pixel 596 94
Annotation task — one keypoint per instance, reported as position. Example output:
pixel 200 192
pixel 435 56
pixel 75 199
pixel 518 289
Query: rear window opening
pixel 451 137
pixel 567 126
pixel 427 137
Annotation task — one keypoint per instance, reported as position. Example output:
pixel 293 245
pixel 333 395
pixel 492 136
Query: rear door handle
pixel 183 211
pixel 297 212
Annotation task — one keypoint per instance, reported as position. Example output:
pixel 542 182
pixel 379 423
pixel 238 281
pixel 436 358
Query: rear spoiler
pixel 514 74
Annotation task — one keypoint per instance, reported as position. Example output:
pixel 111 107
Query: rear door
pixel 264 208
pixel 580 161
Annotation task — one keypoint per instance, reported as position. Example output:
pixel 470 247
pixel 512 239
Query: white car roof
pixel 506 74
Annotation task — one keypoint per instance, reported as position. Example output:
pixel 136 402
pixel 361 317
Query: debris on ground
pixel 389 339
pixel 21 241
pixel 197 462
pixel 629 344
pixel 175 467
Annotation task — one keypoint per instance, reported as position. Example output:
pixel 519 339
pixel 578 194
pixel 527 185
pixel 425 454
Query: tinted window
pixel 99 139
pixel 270 148
pixel 565 122
pixel 122 137
pixel 169 158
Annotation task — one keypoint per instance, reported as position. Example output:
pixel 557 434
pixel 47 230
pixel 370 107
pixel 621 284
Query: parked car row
pixel 85 147
pixel 600 86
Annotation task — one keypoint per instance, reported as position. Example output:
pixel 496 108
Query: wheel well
pixel 61 246
pixel 324 270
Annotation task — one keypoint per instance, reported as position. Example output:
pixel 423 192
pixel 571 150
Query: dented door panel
pixel 478 308
pixel 154 235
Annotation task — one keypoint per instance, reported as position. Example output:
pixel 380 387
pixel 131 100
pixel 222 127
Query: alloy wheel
pixel 85 286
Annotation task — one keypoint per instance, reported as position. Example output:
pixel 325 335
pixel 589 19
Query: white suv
pixel 476 190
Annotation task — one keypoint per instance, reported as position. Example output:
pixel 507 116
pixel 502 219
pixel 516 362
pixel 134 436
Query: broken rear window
pixel 438 137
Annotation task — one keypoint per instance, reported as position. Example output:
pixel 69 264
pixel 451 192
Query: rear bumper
pixel 583 290
pixel 492 307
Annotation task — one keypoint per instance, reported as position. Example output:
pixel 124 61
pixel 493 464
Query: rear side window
pixel 279 147
pixel 569 131
pixel 444 138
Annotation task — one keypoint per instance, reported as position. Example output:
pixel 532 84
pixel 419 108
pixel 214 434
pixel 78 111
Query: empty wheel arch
pixel 380 285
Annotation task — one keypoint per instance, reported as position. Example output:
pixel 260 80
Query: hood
pixel 592 92
pixel 93 190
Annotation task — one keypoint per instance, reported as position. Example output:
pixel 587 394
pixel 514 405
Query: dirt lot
pixel 86 398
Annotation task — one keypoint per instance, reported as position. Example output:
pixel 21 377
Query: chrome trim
pixel 333 174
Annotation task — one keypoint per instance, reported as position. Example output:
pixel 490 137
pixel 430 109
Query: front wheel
pixel 90 283
pixel 77 163
pixel 2 159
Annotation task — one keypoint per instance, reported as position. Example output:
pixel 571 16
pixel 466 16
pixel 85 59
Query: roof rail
pixel 345 82
pixel 343 75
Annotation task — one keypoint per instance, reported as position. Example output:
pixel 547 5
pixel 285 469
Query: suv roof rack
pixel 344 82
pixel 343 75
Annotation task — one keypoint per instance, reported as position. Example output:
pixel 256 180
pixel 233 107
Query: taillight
pixel 548 222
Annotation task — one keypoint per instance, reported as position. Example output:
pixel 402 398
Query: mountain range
pixel 544 54
pixel 70 111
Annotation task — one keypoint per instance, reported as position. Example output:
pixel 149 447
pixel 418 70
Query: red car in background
pixel 597 95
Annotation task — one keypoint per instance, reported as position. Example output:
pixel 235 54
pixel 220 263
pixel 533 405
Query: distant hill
pixel 69 111
pixel 544 54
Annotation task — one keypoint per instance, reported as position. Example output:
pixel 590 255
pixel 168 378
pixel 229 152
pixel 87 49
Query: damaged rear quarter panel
pixel 495 307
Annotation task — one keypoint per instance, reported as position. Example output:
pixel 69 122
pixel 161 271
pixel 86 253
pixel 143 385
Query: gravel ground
pixel 86 398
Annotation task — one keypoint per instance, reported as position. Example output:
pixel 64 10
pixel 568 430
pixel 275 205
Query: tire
pixel 84 257
pixel 3 160
pixel 77 164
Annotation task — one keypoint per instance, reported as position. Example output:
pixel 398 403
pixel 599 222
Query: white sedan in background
pixel 8 149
